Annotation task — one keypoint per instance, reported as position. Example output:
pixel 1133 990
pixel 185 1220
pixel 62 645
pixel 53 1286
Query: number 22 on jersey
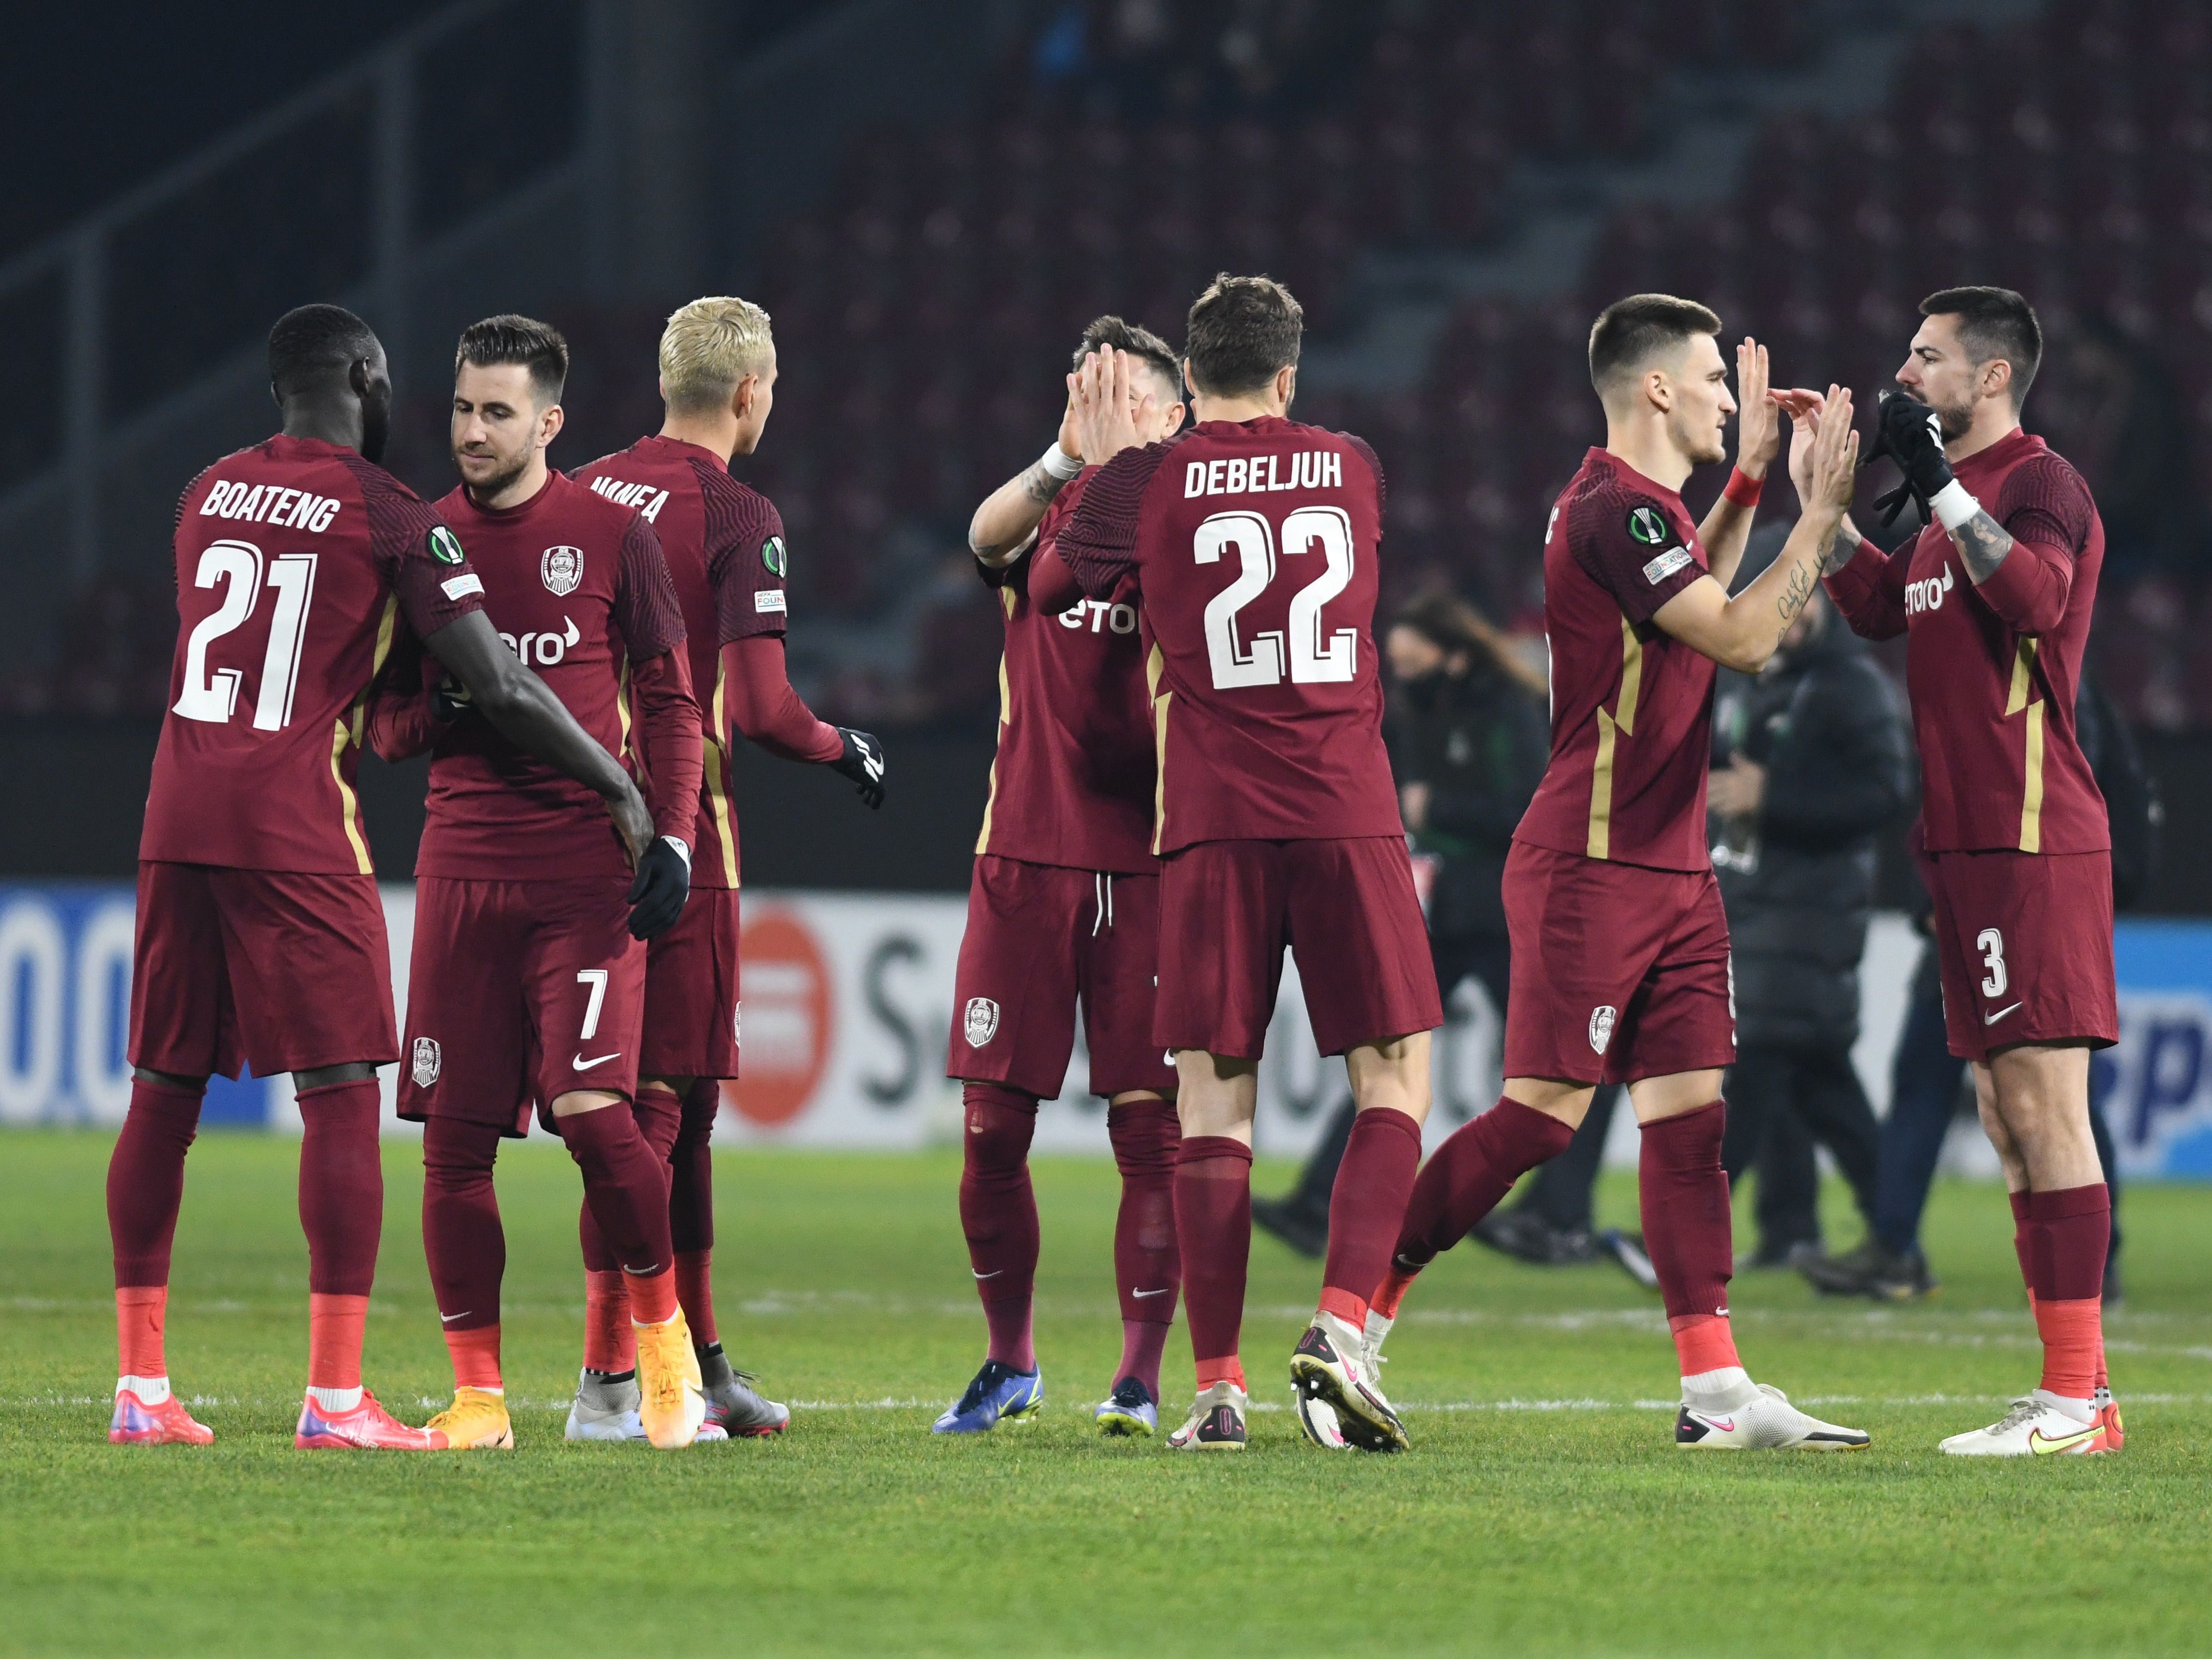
pixel 212 696
pixel 1313 657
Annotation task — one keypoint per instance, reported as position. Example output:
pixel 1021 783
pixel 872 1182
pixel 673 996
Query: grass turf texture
pixel 1544 1509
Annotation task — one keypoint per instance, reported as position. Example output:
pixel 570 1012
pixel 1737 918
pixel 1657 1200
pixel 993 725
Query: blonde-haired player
pixel 725 546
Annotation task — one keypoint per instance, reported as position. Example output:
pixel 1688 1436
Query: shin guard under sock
pixel 1367 1207
pixel 1684 1196
pixel 462 1237
pixel 1213 1237
pixel 1474 1169
pixel 342 1212
pixel 145 1181
pixel 624 1185
pixel 2070 1231
pixel 998 1213
pixel 1147 1270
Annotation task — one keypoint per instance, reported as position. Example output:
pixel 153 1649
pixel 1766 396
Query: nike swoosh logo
pixel 448 1319
pixel 994 1274
pixel 1991 1019
pixel 2043 1448
pixel 582 1065
pixel 1725 1424
pixel 1140 1295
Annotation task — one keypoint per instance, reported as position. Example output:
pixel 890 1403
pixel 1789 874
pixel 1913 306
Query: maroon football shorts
pixel 278 969
pixel 691 991
pixel 1040 937
pixel 520 992
pixel 1347 910
pixel 2024 941
pixel 1619 971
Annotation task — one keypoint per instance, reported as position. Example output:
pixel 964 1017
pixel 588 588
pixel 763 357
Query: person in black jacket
pixel 1812 760
pixel 1469 740
pixel 1927 1077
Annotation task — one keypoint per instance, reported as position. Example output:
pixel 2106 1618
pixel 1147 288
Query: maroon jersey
pixel 1631 708
pixel 577 586
pixel 1073 779
pixel 1252 546
pixel 1993 670
pixel 724 545
pixel 298 562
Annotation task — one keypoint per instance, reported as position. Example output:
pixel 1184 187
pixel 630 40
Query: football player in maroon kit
pixel 260 937
pixel 1251 542
pixel 1994 596
pixel 1065 906
pixel 724 548
pixel 1620 948
pixel 528 982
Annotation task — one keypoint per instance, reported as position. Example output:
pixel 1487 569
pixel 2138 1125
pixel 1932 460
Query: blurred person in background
pixel 1926 1076
pixel 1468 741
pixel 1810 761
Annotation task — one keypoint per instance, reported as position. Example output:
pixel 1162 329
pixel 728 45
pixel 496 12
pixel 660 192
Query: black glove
pixel 657 893
pixel 449 701
pixel 863 762
pixel 1912 434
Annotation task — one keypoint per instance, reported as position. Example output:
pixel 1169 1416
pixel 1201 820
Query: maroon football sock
pixel 1213 1237
pixel 1366 1208
pixel 1467 1176
pixel 1684 1193
pixel 462 1237
pixel 998 1212
pixel 627 1191
pixel 658 1115
pixel 341 1187
pixel 145 1181
pixel 691 1207
pixel 2070 1229
pixel 1147 1271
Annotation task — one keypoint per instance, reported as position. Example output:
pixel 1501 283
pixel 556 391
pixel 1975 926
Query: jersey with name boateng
pixel 1631 707
pixel 1993 669
pixel 724 544
pixel 298 565
pixel 1253 545
pixel 578 587
pixel 1072 781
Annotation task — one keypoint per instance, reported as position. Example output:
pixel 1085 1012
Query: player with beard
pixel 301 563
pixel 1995 596
pixel 1619 945
pixel 527 980
pixel 1251 542
pixel 724 548
pixel 1064 906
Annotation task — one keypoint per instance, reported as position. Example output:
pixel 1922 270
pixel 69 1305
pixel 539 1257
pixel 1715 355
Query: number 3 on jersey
pixel 213 696
pixel 1312 657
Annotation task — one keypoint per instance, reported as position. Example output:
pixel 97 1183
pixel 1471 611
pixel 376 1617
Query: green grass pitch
pixel 1544 1509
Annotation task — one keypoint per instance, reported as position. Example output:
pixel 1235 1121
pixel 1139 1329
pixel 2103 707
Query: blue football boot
pixel 1129 1409
pixel 999 1395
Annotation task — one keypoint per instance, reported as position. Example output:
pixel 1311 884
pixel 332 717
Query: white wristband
pixel 1058 463
pixel 683 848
pixel 1953 504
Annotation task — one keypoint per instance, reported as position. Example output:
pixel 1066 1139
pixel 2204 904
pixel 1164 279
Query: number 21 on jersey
pixel 1313 658
pixel 213 696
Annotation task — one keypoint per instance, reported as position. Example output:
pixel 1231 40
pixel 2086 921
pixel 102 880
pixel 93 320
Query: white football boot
pixel 2035 1426
pixel 1330 1367
pixel 1216 1422
pixel 1764 1420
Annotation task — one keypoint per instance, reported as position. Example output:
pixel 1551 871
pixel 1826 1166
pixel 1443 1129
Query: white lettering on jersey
pixel 1309 469
pixel 645 497
pixel 545 649
pixel 1927 594
pixel 295 509
pixel 769 599
pixel 1120 619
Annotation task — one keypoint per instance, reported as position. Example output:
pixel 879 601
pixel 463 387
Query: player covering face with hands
pixel 1619 945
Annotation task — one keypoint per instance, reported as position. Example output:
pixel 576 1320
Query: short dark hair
pixel 508 339
pixel 1112 331
pixel 1993 323
pixel 1630 332
pixel 311 341
pixel 1240 332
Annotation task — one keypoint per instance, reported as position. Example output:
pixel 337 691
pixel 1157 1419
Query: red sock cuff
pixel 652 1297
pixel 2068 1202
pixel 1228 1369
pixel 1703 1342
pixel 1197 1149
pixel 475 1354
pixel 1351 1309
pixel 1392 1291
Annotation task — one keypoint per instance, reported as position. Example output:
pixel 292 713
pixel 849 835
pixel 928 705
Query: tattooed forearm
pixel 1843 551
pixel 1982 544
pixel 1795 592
pixel 1040 485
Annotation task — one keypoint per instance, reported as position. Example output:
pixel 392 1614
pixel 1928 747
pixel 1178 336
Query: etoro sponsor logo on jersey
pixel 544 649
pixel 1120 619
pixel 561 570
pixel 647 499
pixel 1927 594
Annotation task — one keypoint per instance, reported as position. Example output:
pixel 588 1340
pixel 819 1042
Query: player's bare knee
pixel 1674 1095
pixel 1559 1098
pixel 577 1102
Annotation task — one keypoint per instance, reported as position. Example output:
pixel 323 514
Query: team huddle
pixel 1191 778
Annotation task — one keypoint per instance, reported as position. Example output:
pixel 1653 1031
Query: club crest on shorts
pixel 982 1021
pixel 1601 1030
pixel 737 1022
pixel 561 569
pixel 429 1059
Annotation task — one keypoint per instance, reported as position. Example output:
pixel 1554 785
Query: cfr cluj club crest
pixel 561 569
pixel 982 1022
